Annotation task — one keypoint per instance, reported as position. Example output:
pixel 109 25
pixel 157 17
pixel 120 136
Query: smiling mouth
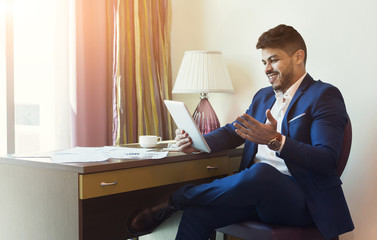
pixel 272 76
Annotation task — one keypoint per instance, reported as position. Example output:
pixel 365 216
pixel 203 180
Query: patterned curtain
pixel 140 68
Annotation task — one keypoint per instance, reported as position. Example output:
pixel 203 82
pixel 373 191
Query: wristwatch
pixel 275 143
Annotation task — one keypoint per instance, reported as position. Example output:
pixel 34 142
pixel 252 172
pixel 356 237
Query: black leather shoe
pixel 146 220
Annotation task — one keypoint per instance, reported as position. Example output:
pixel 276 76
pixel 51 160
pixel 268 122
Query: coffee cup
pixel 147 141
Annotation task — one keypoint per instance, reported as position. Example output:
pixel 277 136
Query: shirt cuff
pixel 282 143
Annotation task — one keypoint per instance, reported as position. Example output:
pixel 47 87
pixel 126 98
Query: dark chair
pixel 256 230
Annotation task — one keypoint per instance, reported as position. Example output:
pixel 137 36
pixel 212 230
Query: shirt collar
pixel 291 91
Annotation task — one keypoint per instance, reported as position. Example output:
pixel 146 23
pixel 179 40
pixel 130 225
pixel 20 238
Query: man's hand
pixel 255 131
pixel 184 142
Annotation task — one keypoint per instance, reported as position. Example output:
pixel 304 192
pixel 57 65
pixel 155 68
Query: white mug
pixel 147 141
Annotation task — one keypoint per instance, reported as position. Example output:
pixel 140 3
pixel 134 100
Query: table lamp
pixel 203 72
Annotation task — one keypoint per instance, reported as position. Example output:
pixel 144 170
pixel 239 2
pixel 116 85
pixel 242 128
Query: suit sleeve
pixel 223 138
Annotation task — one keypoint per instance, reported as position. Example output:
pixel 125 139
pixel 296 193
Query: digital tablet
pixel 183 119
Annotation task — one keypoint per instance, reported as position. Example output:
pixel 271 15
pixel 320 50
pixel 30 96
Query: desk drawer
pixel 112 182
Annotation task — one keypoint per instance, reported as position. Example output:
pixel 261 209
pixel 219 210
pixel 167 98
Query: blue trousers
pixel 259 192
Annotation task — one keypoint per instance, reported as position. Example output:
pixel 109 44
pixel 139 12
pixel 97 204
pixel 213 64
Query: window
pixel 41 71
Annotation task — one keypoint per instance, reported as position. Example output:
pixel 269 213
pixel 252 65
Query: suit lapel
pixel 262 114
pixel 306 82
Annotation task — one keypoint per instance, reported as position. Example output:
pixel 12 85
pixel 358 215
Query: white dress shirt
pixel 264 154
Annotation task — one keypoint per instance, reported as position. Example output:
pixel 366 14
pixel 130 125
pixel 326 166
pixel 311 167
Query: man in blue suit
pixel 292 133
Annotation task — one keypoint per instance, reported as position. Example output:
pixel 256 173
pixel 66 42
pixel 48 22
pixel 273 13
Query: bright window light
pixel 41 57
pixel 3 86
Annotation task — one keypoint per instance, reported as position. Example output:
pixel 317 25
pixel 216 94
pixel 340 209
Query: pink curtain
pixel 91 125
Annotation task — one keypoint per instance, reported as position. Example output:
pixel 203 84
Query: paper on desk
pixel 97 154
pixel 133 153
pixel 80 154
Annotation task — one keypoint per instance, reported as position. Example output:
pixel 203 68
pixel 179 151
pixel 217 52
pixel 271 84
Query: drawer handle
pixel 104 184
pixel 212 167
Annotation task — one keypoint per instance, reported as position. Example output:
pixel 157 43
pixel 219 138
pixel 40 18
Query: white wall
pixel 341 37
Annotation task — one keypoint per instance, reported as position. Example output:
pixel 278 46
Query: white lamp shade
pixel 203 72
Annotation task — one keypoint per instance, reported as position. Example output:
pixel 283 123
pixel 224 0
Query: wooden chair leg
pixel 213 236
pixel 225 236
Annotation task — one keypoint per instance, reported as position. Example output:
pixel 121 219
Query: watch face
pixel 274 145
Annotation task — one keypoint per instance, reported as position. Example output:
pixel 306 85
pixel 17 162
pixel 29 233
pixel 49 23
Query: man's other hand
pixel 255 131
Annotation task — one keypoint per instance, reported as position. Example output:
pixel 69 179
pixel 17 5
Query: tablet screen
pixel 183 119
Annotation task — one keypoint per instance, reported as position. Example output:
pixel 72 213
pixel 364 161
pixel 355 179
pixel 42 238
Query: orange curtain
pixel 89 99
pixel 140 68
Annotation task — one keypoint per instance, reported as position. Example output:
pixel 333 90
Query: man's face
pixel 279 68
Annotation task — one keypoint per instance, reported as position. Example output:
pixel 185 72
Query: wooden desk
pixel 42 200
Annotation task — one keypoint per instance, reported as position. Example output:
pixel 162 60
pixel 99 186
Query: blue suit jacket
pixel 311 151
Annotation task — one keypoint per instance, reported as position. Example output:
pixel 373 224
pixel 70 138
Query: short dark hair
pixel 282 37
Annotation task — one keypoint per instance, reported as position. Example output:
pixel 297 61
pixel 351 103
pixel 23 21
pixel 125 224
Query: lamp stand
pixel 204 115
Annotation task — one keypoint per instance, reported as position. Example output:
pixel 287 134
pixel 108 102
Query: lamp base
pixel 205 117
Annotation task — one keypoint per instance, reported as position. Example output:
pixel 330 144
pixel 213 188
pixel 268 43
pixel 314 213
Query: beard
pixel 286 79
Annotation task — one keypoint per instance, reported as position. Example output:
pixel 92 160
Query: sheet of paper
pixel 97 154
pixel 80 154
pixel 133 153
